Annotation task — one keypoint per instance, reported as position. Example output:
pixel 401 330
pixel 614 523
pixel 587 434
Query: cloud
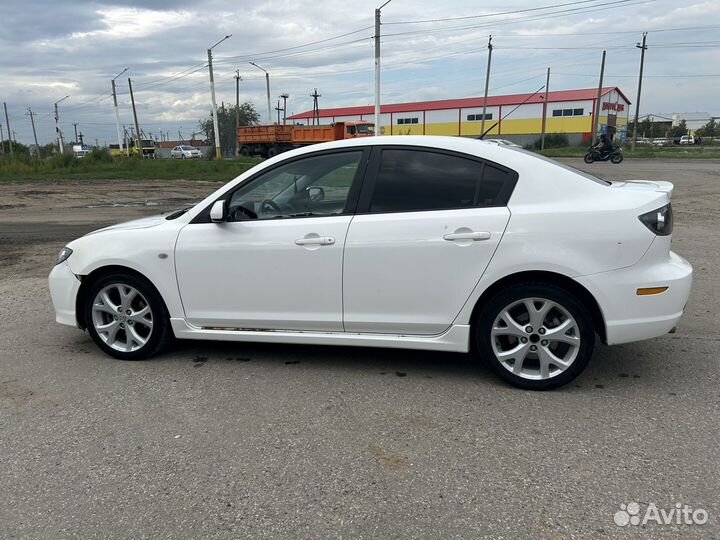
pixel 76 46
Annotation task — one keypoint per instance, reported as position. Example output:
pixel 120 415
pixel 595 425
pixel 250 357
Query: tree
pixel 679 130
pixel 226 123
pixel 711 129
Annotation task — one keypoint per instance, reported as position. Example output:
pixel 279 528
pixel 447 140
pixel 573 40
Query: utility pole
pixel 32 121
pixel 596 112
pixel 137 126
pixel 278 108
pixel 117 114
pixel 61 143
pixel 545 104
pixel 316 107
pixel 487 84
pixel 237 110
pixel 218 150
pixel 284 97
pixel 377 68
pixel 7 125
pixel 2 141
pixel 267 87
pixel 75 126
pixel 642 47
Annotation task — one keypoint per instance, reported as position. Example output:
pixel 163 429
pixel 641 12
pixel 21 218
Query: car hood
pixel 142 223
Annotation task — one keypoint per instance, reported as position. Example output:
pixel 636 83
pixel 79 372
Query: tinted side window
pixel 411 180
pixel 415 180
pixel 493 187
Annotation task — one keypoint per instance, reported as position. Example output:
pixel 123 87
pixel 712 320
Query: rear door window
pixel 412 180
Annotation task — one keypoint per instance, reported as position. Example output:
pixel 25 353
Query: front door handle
pixel 315 241
pixel 470 235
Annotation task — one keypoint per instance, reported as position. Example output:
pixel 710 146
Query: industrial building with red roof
pixel 516 117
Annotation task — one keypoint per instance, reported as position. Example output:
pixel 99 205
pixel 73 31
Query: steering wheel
pixel 268 205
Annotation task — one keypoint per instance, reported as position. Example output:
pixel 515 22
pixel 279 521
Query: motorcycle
pixel 593 154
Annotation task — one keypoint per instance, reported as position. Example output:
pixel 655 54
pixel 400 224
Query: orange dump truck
pixel 271 140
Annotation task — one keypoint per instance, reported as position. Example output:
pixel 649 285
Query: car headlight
pixel 63 255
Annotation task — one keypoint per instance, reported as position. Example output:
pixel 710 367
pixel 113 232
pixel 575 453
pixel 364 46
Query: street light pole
pixel 117 114
pixel 377 68
pixel 218 152
pixel 267 85
pixel 61 144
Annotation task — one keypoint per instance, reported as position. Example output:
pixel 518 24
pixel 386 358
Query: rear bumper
pixel 629 317
pixel 64 287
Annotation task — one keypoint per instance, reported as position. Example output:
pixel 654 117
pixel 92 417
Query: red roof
pixel 492 101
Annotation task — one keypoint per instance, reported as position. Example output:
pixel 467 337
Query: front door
pixel 428 224
pixel 277 263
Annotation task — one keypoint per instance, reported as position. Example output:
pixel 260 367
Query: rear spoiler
pixel 659 185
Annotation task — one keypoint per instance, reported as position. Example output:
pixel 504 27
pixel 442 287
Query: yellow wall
pixel 523 126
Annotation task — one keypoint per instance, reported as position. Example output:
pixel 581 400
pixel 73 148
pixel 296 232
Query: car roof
pixel 504 155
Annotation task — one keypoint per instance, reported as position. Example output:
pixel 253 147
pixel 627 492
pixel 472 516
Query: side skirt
pixel 455 339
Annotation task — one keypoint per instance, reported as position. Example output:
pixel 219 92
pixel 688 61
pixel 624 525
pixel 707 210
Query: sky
pixel 430 50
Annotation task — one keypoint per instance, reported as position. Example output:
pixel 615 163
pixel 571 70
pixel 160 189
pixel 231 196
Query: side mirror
pixel 218 212
pixel 316 194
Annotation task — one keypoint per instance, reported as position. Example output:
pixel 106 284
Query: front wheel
pixel 126 317
pixel 616 158
pixel 535 336
pixel 588 158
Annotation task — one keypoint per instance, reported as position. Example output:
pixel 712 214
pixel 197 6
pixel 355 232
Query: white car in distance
pixel 185 152
pixel 434 243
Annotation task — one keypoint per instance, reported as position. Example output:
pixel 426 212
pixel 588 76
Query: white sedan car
pixel 185 152
pixel 435 243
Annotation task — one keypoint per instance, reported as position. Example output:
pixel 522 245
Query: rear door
pixel 427 224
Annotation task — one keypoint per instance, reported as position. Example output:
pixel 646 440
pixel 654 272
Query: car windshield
pixel 186 148
pixel 562 165
pixel 365 129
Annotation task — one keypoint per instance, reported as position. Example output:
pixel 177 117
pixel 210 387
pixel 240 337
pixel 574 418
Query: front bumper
pixel 629 317
pixel 64 287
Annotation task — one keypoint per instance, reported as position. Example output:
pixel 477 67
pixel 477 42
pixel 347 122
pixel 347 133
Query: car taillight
pixel 659 221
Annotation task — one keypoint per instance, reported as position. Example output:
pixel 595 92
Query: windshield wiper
pixel 177 213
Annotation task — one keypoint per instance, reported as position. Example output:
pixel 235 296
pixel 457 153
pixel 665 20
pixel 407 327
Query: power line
pixel 485 15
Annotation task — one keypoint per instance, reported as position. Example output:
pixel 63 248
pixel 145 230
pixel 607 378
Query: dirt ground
pixel 219 440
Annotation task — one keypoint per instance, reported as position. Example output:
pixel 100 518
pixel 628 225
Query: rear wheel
pixel 126 317
pixel 535 336
pixel 273 151
pixel 588 158
pixel 245 151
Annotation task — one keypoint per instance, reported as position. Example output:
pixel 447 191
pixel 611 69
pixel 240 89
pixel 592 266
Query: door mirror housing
pixel 218 212
pixel 316 193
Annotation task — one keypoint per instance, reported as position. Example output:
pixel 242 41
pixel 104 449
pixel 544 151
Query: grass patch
pixel 68 168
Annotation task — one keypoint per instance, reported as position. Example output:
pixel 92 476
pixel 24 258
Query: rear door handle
pixel 472 235
pixel 315 241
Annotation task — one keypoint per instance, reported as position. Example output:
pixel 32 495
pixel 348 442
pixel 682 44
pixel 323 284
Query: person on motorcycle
pixel 605 146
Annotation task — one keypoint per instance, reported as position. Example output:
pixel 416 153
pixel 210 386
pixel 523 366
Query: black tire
pixel 182 156
pixel 273 151
pixel 507 297
pixel 588 158
pixel 159 336
pixel 616 158
pixel 245 151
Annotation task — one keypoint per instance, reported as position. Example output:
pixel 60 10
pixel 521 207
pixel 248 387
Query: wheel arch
pixel 544 276
pixel 86 282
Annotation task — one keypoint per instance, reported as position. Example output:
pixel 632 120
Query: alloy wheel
pixel 535 338
pixel 122 317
